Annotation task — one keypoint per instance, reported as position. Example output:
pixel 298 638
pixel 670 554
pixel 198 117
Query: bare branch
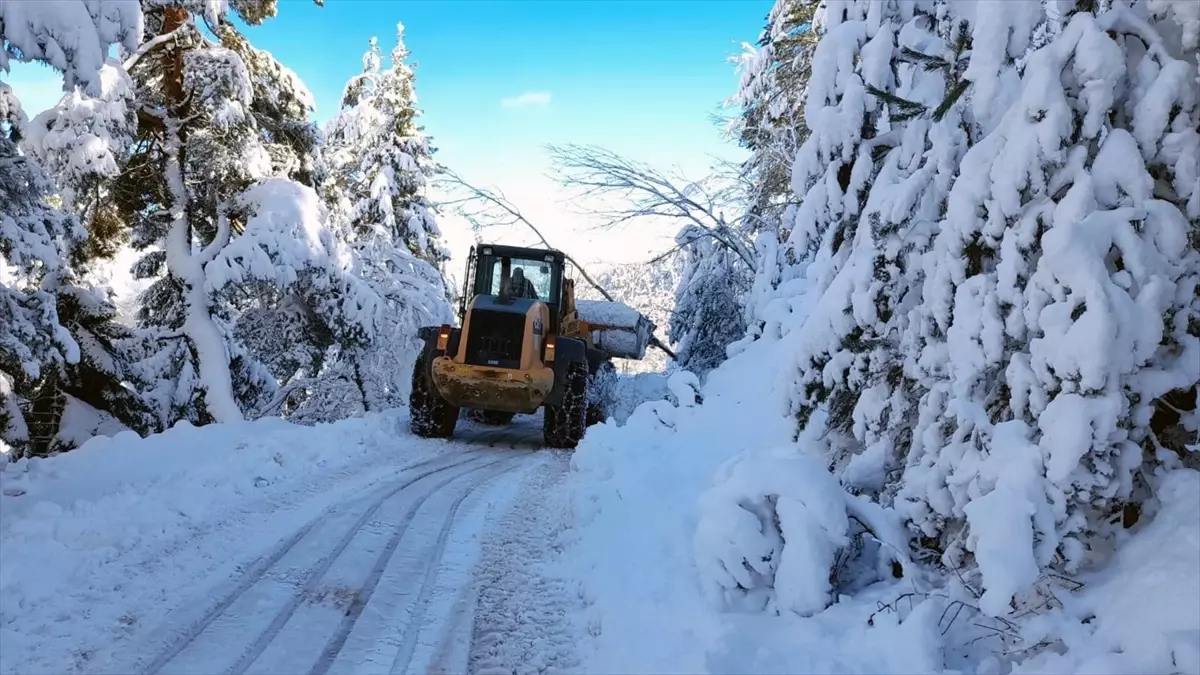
pixel 637 190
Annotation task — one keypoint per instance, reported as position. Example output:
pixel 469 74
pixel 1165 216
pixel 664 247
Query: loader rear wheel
pixel 564 424
pixel 430 415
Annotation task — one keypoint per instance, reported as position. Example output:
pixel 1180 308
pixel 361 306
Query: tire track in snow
pixel 260 568
pixel 523 615
pixel 338 640
pixel 264 640
pixel 403 657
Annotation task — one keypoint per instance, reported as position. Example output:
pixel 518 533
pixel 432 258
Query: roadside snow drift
pixel 705 538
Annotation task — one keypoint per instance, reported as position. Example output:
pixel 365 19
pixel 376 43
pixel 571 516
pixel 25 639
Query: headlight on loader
pixel 443 339
pixel 549 351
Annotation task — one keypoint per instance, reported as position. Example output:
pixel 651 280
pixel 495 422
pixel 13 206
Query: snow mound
pixel 638 484
pixel 777 530
pixel 775 519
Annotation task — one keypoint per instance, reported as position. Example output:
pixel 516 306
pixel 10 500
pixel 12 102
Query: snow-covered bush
pixel 778 531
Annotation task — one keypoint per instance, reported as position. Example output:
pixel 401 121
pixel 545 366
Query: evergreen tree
pixel 82 141
pixel 35 241
pixel 774 76
pixel 711 288
pixel 377 163
pixel 990 280
pixel 379 160
pixel 41 246
pixel 210 192
pixel 1060 293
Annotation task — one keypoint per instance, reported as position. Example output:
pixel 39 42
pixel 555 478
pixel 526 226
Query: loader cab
pixel 506 272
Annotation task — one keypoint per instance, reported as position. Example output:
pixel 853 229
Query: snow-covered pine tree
pixel 210 193
pixel 770 124
pixel 83 141
pixel 997 243
pixel 379 160
pixel 376 165
pixel 40 245
pixel 1060 296
pixel 35 241
pixel 708 301
pixel 870 191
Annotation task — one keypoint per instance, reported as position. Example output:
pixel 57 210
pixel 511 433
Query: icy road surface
pixel 422 562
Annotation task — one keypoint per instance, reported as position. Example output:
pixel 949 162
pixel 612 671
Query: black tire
pixel 595 415
pixel 496 418
pixel 597 411
pixel 564 424
pixel 430 415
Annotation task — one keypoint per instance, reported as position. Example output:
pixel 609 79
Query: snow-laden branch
pixel 153 43
pixel 219 240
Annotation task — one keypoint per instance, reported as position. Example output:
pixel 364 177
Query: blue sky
pixel 640 77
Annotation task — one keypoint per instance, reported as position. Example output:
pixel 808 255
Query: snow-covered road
pixel 399 572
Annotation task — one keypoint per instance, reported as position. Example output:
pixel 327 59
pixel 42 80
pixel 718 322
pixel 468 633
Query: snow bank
pixel 693 488
pixel 100 534
pixel 640 484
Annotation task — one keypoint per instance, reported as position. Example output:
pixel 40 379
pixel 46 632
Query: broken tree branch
pixel 635 190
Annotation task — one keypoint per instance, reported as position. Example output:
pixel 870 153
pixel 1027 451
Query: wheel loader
pixel 523 342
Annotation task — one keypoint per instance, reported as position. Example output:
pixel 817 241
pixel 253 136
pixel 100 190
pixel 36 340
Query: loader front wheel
pixel 430 415
pixel 564 424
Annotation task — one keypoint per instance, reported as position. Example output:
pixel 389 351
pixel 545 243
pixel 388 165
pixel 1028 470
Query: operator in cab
pixel 520 287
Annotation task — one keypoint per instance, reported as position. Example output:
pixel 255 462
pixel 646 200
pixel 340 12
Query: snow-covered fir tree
pixel 1060 292
pixel 214 191
pixel 83 141
pixel 990 281
pixel 47 317
pixel 773 76
pixel 376 165
pixel 379 160
pixel 35 240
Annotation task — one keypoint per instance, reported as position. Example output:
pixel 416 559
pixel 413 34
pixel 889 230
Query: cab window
pixel 537 272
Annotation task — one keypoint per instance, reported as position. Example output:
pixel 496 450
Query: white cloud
pixel 529 99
